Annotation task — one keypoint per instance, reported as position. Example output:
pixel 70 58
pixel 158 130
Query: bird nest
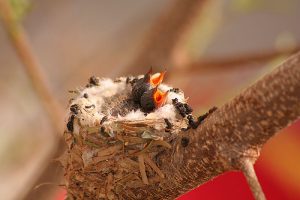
pixel 112 143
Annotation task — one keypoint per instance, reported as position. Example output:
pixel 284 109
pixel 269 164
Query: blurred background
pixel 212 49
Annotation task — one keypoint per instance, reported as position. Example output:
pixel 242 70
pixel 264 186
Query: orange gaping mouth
pixel 159 98
pixel 157 78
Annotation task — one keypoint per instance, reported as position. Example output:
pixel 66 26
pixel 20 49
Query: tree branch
pixel 236 61
pixel 31 65
pixel 53 110
pixel 235 132
pixel 170 28
pixel 249 172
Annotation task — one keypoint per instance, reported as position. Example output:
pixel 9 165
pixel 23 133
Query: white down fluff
pixel 107 87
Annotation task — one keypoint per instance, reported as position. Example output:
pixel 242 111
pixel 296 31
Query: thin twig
pixel 236 61
pixel 31 65
pixel 143 169
pixel 249 172
pixel 48 184
pixel 154 166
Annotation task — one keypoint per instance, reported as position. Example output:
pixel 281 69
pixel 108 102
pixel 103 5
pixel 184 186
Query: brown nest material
pixel 112 144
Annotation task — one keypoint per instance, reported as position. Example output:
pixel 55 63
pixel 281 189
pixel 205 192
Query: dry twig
pixel 248 170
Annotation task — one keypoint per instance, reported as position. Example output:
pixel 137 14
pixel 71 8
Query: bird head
pixel 159 97
pixel 153 99
pixel 153 79
pixel 156 79
pixel 148 82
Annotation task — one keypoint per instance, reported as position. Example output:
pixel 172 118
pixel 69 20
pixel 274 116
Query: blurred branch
pixel 235 61
pixel 31 65
pixel 170 28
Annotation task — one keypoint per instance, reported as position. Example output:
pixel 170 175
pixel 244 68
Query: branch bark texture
pixel 233 133
pixel 252 180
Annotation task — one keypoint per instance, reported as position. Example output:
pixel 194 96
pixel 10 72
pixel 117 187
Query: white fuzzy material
pixel 172 95
pixel 92 115
pixel 133 115
pixel 167 111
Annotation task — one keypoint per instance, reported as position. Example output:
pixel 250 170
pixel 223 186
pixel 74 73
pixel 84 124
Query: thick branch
pixel 230 135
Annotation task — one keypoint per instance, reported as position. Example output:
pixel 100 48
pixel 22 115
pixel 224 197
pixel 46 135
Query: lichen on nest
pixel 113 143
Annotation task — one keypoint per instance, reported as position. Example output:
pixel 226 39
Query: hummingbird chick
pixel 146 83
pixel 153 99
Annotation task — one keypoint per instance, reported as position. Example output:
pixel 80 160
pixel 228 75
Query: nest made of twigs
pixel 103 160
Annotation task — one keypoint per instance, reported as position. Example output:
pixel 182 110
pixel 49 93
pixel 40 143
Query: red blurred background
pixel 75 39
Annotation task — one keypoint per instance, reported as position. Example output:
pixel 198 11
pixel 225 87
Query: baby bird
pixel 148 82
pixel 152 99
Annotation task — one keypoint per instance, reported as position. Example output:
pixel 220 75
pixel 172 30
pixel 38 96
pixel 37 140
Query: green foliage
pixel 279 6
pixel 20 8
pixel 246 5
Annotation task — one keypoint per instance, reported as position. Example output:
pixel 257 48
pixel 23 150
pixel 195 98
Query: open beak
pixel 159 97
pixel 157 78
